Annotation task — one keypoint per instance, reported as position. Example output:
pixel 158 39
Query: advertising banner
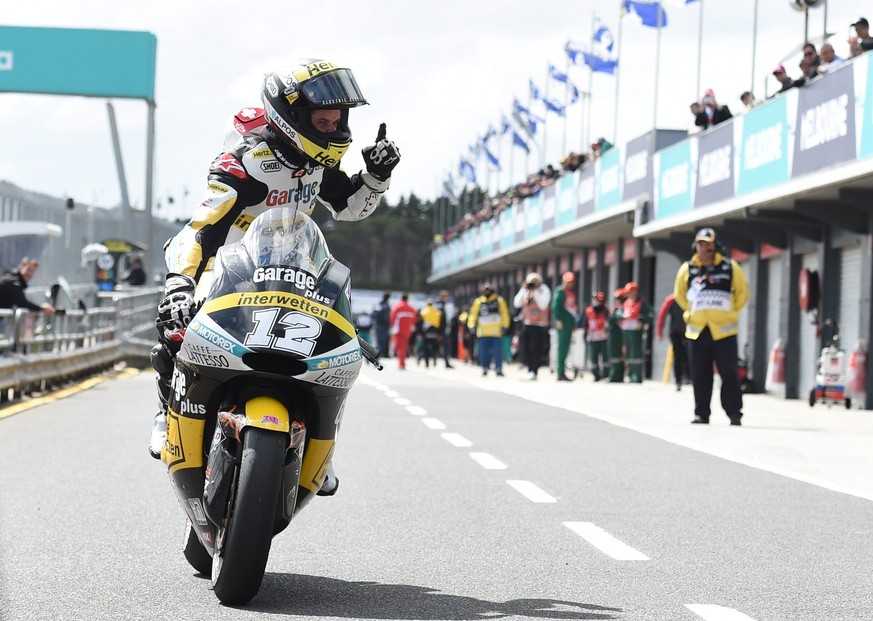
pixel 608 186
pixel 566 199
pixel 637 167
pixel 519 221
pixel 533 215
pixel 585 194
pixel 507 227
pixel 825 129
pixel 673 193
pixel 67 61
pixel 549 199
pixel 764 150
pixel 715 166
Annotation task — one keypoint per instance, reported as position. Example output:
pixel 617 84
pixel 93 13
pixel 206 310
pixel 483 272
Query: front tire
pixel 238 568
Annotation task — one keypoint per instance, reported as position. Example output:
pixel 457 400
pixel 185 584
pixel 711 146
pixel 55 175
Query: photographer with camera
pixel 533 299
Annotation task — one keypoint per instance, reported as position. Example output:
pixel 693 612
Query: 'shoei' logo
pixel 271 166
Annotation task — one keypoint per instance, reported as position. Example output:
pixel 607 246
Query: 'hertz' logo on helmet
pixel 318 67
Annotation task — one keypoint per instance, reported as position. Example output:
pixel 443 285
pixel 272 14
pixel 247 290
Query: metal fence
pixel 40 353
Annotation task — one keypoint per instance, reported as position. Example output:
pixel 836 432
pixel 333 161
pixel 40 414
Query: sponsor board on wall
pixel 637 168
pixel 533 209
pixel 586 192
pixel 764 153
pixel 548 206
pixel 824 134
pixel 566 199
pixel 519 221
pixel 608 171
pixel 673 193
pixel 507 227
pixel 715 165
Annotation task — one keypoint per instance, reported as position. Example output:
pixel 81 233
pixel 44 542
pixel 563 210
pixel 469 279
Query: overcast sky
pixel 438 73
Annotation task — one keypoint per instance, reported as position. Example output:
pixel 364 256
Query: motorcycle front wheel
pixel 245 537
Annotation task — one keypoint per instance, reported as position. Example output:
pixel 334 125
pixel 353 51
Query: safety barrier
pixel 39 353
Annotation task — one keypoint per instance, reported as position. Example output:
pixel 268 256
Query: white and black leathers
pixel 256 173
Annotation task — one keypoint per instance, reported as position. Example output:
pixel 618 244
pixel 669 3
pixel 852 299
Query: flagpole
pixel 754 44
pixel 566 103
pixel 617 74
pixel 657 65
pixel 700 52
pixel 590 83
pixel 532 141
pixel 545 119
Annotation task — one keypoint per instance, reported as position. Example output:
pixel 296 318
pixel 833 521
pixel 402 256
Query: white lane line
pixel 416 410
pixel 711 612
pixel 433 423
pixel 488 461
pixel 391 394
pixel 605 542
pixel 456 439
pixel 402 401
pixel 531 491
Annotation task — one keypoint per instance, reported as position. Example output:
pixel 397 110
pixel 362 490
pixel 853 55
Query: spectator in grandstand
pixel 711 113
pixel 600 147
pixel 862 42
pixel 780 74
pixel 811 61
pixel 829 59
pixel 748 100
pixel 572 161
pixel 695 110
pixel 13 284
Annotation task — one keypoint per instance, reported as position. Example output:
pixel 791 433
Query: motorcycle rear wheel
pixel 238 569
pixel 195 553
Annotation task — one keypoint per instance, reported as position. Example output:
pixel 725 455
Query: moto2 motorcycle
pixel 258 392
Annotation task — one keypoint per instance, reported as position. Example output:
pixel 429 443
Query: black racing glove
pixel 177 308
pixel 382 157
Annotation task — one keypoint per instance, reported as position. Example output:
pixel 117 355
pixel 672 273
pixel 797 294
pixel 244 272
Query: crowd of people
pixel 815 62
pixel 531 186
pixel 700 316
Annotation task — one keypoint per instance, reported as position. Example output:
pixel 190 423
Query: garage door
pixel 774 300
pixel 850 297
pixel 809 344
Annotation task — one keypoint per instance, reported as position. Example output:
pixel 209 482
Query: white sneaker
pixel 159 435
pixel 530 377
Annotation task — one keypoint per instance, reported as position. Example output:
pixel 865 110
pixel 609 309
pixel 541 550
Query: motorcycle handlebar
pixel 370 353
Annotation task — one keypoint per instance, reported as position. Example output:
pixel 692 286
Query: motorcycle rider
pixel 289 151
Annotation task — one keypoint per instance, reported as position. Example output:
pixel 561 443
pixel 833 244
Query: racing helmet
pixel 289 97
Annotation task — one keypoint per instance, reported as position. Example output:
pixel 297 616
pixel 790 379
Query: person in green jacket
pixel 614 339
pixel 564 311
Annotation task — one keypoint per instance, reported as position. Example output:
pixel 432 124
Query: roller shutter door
pixel 809 345
pixel 850 297
pixel 774 300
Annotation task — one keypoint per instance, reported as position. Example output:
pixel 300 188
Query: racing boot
pixel 331 483
pixel 162 362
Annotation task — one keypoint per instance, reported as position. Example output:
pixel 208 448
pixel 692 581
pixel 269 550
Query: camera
pixel 530 286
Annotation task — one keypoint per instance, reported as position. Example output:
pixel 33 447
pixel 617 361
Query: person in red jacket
pixel 403 319
pixel 672 309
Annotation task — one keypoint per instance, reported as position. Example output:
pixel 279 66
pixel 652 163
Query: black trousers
pixel 704 352
pixel 680 357
pixel 533 339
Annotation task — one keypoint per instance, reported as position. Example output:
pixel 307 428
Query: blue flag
pixel 492 159
pixel 600 65
pixel 574 54
pixel 518 141
pixel 553 106
pixel 467 171
pixel 534 91
pixel 557 75
pixel 504 125
pixel 648 11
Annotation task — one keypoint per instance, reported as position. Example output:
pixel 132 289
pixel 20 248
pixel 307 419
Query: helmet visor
pixel 335 88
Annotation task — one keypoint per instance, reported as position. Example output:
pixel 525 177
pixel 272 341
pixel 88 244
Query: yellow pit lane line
pixel 21 406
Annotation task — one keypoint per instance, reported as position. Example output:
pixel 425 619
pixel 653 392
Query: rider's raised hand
pixel 382 157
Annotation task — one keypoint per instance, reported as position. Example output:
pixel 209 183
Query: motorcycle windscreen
pixel 273 289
